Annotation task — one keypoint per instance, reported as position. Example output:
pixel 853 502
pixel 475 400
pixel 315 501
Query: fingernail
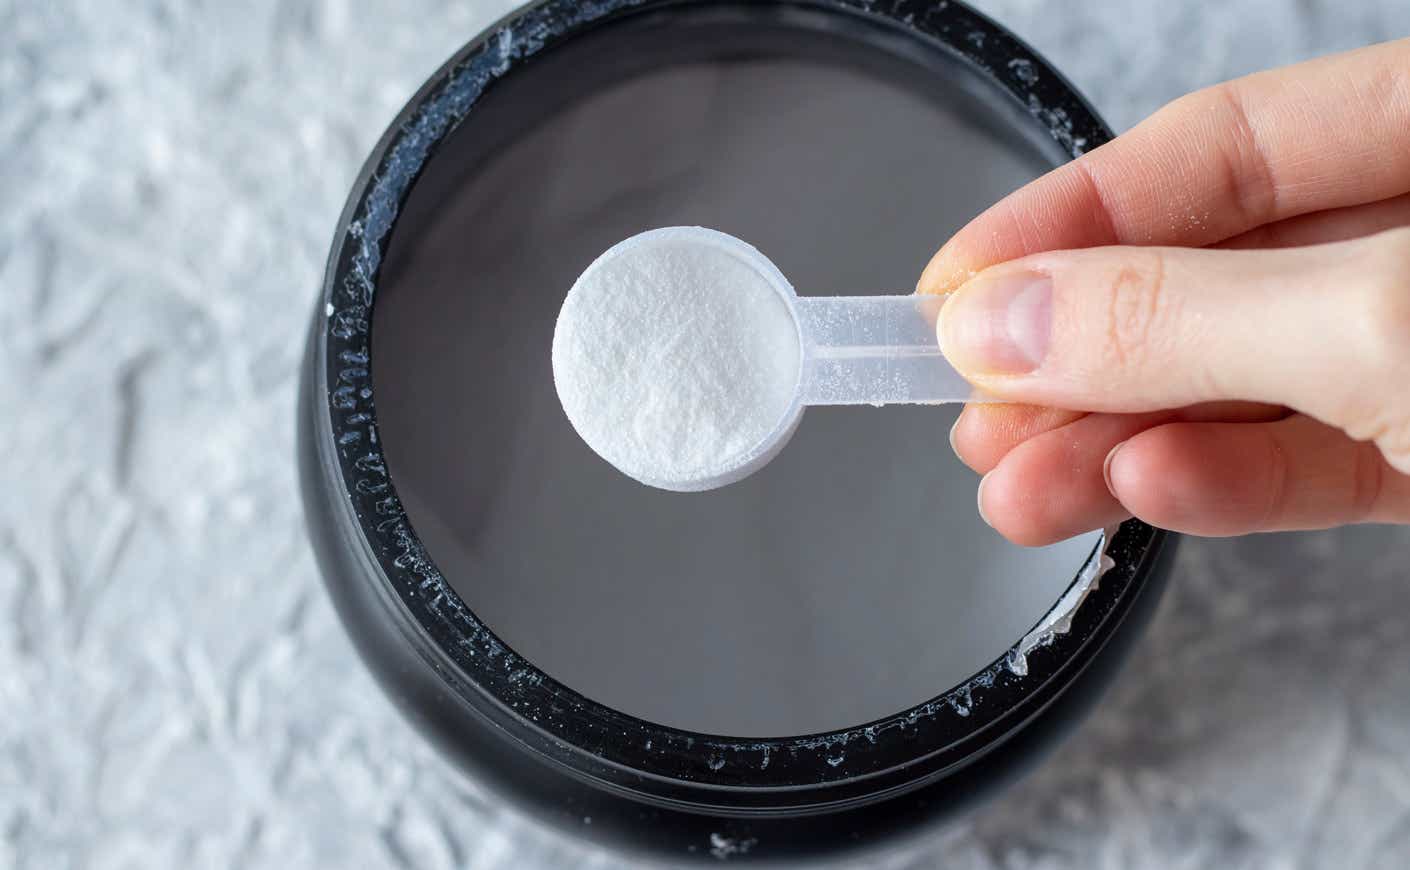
pixel 979 497
pixel 1106 467
pixel 999 325
pixel 953 448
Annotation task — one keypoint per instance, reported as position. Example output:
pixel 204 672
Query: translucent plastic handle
pixel 875 350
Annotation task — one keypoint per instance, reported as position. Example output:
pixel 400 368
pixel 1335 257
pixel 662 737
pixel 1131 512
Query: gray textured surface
pixel 174 688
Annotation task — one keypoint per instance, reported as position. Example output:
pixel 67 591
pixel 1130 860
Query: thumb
pixel 1324 330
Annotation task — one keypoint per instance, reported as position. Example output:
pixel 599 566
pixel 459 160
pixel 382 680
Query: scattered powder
pixel 676 358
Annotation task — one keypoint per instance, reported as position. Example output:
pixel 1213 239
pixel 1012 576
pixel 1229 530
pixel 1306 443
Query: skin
pixel 1204 323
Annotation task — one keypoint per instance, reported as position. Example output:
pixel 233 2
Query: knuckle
pixel 1377 409
pixel 1237 153
pixel 1387 432
pixel 1387 311
pixel 1396 449
pixel 1138 310
pixel 1382 426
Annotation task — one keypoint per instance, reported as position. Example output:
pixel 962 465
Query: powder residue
pixel 675 357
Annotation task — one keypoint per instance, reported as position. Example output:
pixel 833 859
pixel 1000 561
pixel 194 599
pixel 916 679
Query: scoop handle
pixel 875 350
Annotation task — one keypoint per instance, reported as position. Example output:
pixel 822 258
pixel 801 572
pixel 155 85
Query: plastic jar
pixel 577 764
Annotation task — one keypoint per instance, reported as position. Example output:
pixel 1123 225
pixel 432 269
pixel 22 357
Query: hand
pixel 1207 320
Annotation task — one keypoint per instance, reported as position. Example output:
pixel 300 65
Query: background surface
pixel 174 688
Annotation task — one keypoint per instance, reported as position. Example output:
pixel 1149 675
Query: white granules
pixel 676 358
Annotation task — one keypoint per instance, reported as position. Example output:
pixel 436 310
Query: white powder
pixel 677 359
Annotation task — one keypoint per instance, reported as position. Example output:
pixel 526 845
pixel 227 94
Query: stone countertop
pixel 176 691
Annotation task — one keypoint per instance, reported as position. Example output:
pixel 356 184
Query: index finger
pixel 1327 133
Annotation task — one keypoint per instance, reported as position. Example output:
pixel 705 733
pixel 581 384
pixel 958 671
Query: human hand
pixel 1206 320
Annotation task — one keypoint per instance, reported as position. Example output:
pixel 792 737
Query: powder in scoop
pixel 677 358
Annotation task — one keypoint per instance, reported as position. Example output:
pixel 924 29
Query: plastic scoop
pixel 874 350
pixel 852 350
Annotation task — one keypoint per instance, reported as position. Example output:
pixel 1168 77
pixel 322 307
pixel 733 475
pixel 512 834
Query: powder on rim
pixel 676 358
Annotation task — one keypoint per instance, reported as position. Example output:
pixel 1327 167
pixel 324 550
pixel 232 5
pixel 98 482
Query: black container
pixel 569 761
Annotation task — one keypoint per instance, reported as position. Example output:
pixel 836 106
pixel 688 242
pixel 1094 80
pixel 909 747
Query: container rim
pixel 653 763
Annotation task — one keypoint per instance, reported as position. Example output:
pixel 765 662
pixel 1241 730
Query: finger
pixel 1141 329
pixel 1324 134
pixel 1050 487
pixel 985 433
pixel 1230 479
pixel 1065 464
pixel 1321 227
